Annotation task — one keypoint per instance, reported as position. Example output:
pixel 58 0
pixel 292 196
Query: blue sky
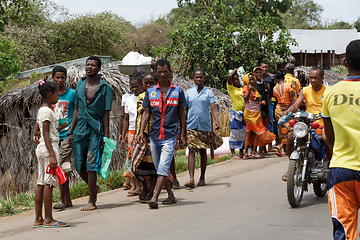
pixel 138 11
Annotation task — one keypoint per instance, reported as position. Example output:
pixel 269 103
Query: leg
pixel 93 189
pixel 191 163
pixel 203 164
pixel 39 194
pixel 232 152
pixel 48 220
pixel 153 180
pixel 173 173
pixel 67 197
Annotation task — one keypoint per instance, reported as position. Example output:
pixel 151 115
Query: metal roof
pixel 317 40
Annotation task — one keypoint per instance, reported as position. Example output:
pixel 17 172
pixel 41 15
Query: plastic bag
pixel 110 145
pixel 135 58
pixel 58 172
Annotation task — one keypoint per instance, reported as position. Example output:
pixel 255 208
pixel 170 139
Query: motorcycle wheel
pixel 294 185
pixel 320 189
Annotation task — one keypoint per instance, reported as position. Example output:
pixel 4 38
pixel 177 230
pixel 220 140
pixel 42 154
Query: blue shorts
pixel 162 152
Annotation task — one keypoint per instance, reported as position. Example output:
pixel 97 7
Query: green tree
pixel 304 14
pixel 9 59
pixel 339 25
pixel 356 24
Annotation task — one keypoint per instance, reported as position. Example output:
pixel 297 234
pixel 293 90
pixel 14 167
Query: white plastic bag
pixel 135 58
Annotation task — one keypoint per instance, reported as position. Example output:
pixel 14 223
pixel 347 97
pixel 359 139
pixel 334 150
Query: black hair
pixel 264 62
pixel 162 62
pixel 95 58
pixel 46 87
pixel 198 70
pixel 137 77
pixel 280 74
pixel 352 55
pixel 315 68
pixel 152 74
pixel 59 69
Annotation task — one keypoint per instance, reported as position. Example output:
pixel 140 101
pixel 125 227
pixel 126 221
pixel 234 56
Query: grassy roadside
pixel 23 202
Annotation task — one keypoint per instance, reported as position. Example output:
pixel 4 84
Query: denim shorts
pixel 162 152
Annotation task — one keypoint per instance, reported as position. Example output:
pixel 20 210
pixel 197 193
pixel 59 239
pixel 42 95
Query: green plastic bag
pixel 109 148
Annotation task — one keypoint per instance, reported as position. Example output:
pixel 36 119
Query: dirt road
pixel 243 199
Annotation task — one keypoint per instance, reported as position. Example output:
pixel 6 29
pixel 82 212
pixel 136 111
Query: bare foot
pixel 89 207
pixel 39 222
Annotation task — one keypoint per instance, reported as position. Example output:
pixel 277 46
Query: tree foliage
pixel 9 59
pixel 356 24
pixel 304 14
pixel 217 42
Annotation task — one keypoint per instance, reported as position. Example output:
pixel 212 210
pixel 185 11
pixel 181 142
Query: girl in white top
pixel 128 128
pixel 47 152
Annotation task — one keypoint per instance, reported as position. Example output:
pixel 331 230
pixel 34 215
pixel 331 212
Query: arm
pixel 291 97
pixel 73 125
pixel 122 114
pixel 106 118
pixel 125 128
pixel 214 113
pixel 230 76
pixel 182 117
pixel 144 121
pixel 47 140
pixel 296 105
pixel 37 133
pixel 247 95
pixel 329 133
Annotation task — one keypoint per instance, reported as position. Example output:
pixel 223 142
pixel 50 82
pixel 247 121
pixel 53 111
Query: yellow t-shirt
pixel 237 98
pixel 140 109
pixel 295 83
pixel 342 106
pixel 314 101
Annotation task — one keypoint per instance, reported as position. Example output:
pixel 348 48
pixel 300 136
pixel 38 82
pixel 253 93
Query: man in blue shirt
pixel 166 102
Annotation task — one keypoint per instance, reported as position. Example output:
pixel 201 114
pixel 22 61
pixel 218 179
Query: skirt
pixel 202 139
pixel 237 129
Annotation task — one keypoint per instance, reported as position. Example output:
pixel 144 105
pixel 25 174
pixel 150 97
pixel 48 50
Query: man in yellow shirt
pixel 341 113
pixel 289 78
pixel 313 97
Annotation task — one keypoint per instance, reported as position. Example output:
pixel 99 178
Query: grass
pixel 26 201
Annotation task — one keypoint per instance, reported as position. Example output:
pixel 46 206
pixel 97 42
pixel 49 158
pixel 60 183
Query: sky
pixel 138 11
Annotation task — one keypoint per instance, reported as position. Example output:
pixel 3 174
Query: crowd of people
pixel 158 118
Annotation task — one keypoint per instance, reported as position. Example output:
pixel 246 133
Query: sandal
pixel 247 157
pixel 68 205
pixel 132 194
pixel 169 201
pixel 59 206
pixel 258 156
pixel 189 184
pixel 153 204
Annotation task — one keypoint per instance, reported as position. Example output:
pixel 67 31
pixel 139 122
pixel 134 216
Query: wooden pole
pixel 321 59
pixel 301 58
pixel 315 58
pixel 329 58
pixel 305 58
pixel 212 129
pixel 333 58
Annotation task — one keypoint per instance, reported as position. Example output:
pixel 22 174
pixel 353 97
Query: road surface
pixel 243 199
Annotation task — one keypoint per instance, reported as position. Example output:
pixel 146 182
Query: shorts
pixel 162 152
pixel 87 152
pixel 65 155
pixel 43 157
pixel 344 202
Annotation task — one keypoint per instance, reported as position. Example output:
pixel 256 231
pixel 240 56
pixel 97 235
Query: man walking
pixel 166 102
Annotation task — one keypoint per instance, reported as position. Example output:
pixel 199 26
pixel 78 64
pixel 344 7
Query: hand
pixel 284 113
pixel 123 144
pixel 70 139
pixel 102 144
pixel 263 103
pixel 216 125
pixel 36 138
pixel 63 126
pixel 120 137
pixel 182 141
pixel 53 162
pixel 140 138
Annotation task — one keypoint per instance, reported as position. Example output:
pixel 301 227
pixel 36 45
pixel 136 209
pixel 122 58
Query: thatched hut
pixel 18 110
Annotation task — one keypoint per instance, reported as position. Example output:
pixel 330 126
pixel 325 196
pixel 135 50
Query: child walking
pixel 47 152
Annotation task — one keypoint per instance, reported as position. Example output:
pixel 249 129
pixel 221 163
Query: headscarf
pixel 246 81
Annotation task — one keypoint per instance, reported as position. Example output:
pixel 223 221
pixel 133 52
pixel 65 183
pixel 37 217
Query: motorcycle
pixel 308 162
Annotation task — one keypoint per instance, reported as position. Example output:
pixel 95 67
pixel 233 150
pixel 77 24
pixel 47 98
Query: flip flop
pixel 37 226
pixel 279 154
pixel 146 200
pixel 68 205
pixel 247 157
pixel 59 206
pixel 201 184
pixel 57 225
pixel 189 184
pixel 153 204
pixel 169 201
pixel 176 186
pixel 132 194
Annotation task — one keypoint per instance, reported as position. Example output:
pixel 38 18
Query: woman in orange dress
pixel 284 94
pixel 256 133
